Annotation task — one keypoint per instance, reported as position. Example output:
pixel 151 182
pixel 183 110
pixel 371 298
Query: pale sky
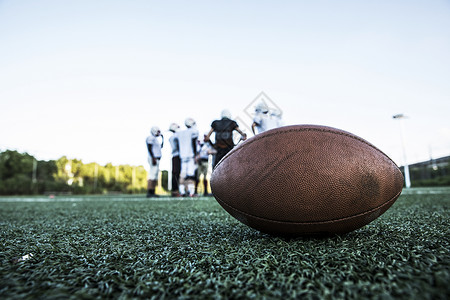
pixel 88 79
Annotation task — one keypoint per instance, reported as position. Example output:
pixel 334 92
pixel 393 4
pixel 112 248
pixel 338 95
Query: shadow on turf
pixel 369 232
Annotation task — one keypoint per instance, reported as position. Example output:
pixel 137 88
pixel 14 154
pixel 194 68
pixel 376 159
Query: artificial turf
pixel 131 247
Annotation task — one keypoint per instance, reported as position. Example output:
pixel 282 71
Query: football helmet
pixel 155 131
pixel 189 122
pixel 225 114
pixel 261 108
pixel 174 127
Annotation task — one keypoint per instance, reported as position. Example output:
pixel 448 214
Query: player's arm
pixel 150 151
pixel 253 127
pixel 194 145
pixel 176 144
pixel 208 138
pixel 199 149
pixel 243 134
pixel 208 135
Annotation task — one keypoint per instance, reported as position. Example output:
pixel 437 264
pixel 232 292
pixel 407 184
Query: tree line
pixel 23 174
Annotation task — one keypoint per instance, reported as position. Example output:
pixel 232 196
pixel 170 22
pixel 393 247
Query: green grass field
pixel 131 247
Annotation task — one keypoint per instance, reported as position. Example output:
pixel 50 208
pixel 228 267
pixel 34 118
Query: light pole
pixel 401 117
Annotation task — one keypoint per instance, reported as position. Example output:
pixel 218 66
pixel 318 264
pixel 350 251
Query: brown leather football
pixel 306 179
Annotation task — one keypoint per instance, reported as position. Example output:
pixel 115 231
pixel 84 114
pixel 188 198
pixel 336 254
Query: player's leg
pixel 152 178
pixel 176 168
pixel 203 171
pixel 183 172
pixel 190 176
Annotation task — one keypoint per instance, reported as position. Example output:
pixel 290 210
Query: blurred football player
pixel 187 143
pixel 154 146
pixel 264 120
pixel 206 149
pixel 176 163
pixel 223 130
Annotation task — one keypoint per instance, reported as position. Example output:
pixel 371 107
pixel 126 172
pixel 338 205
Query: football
pixel 306 180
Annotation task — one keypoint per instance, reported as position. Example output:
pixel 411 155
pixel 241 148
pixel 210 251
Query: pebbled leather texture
pixel 306 179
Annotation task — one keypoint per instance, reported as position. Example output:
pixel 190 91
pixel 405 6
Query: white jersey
pixel 205 150
pixel 174 144
pixel 278 121
pixel 156 145
pixel 185 142
pixel 264 122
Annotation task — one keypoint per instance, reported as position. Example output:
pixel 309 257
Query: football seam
pixel 308 129
pixel 314 222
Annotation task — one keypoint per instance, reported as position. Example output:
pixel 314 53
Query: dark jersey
pixel 224 132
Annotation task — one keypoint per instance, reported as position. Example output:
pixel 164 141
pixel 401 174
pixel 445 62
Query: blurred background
pixel 86 80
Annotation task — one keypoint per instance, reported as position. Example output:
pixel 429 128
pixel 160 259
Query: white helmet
pixel 174 127
pixel 155 131
pixel 226 114
pixel 189 122
pixel 261 107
